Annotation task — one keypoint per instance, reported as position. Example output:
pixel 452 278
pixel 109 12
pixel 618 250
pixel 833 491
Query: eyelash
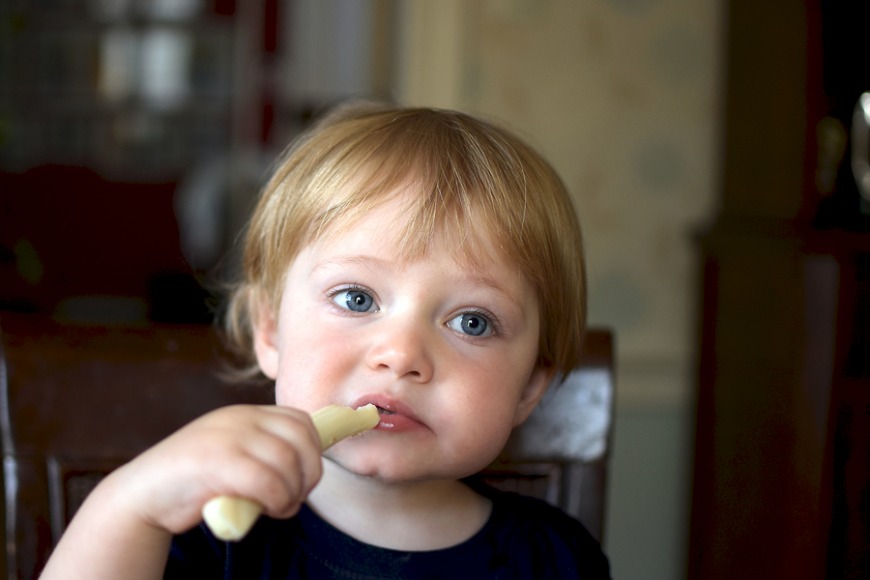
pixel 332 294
pixel 490 318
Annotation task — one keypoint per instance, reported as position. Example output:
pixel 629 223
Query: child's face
pixel 449 351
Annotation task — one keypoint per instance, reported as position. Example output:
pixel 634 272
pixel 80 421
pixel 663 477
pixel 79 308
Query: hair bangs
pixel 466 183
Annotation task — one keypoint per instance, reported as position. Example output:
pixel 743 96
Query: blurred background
pixel 706 143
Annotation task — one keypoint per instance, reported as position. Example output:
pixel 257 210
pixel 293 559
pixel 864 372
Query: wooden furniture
pixel 782 463
pixel 76 401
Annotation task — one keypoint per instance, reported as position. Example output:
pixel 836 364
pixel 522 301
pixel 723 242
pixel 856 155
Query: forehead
pixel 374 243
pixel 405 223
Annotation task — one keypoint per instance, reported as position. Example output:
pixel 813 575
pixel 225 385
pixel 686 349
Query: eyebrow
pixel 361 260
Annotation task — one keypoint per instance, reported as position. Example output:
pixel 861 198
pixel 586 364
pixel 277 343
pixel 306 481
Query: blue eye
pixel 354 300
pixel 471 324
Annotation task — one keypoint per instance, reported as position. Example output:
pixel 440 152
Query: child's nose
pixel 402 350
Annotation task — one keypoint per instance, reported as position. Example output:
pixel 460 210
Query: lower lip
pixel 397 423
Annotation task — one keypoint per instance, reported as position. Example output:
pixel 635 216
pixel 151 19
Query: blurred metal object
pixel 861 149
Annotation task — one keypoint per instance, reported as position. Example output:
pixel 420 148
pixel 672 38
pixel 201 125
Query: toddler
pixel 424 261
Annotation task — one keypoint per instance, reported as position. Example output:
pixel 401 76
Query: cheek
pixel 480 445
pixel 309 369
pixel 486 416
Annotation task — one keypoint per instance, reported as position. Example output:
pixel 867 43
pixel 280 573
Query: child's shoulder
pixel 532 513
pixel 548 538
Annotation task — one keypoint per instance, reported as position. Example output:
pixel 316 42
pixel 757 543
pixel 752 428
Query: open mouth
pixel 396 416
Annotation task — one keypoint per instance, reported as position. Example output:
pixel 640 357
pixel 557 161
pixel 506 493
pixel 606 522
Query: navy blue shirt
pixel 523 538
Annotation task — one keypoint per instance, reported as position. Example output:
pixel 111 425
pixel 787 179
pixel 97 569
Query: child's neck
pixel 438 513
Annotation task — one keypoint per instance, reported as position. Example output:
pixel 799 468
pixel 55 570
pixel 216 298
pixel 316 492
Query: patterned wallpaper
pixel 621 96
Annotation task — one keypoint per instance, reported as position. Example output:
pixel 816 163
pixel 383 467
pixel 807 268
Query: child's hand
pixel 265 453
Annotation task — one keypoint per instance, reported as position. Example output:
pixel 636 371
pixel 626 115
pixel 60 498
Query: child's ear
pixel 540 379
pixel 265 325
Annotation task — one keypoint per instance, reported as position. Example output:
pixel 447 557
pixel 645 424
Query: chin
pixel 381 469
pixel 398 470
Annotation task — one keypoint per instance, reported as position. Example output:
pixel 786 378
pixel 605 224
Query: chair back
pixel 77 401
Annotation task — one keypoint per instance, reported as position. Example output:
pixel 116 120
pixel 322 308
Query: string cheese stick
pixel 334 422
pixel 230 518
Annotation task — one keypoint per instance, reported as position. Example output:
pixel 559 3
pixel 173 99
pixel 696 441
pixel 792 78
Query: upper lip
pixel 386 403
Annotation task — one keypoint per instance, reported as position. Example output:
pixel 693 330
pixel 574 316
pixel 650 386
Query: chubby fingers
pixel 230 518
pixel 285 447
pixel 273 457
pixel 268 454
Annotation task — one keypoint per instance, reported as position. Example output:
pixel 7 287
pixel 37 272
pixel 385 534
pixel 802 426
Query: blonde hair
pixel 474 179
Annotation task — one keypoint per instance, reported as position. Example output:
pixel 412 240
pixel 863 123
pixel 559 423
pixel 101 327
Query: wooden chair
pixel 76 401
